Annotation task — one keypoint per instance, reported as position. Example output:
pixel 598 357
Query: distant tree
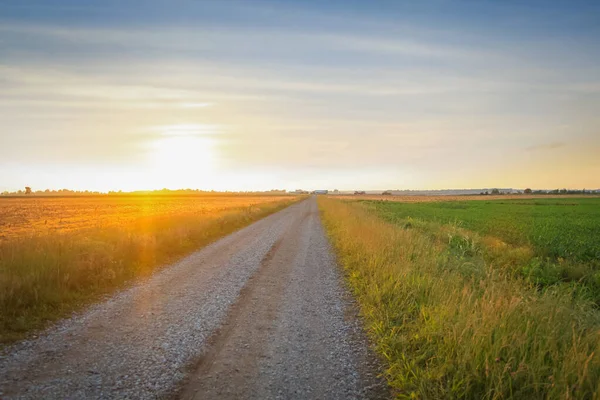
pixel 486 192
pixel 27 190
pixel 528 191
pixel 495 191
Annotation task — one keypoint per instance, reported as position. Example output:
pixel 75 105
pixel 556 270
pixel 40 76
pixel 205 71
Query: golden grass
pixel 27 216
pixel 93 246
pixel 451 324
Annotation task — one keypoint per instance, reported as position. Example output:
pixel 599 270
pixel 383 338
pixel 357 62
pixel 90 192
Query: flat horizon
pixel 331 190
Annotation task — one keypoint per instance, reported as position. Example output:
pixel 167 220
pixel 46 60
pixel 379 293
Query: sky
pixel 255 95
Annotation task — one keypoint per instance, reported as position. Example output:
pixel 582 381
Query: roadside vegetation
pixel 60 254
pixel 462 306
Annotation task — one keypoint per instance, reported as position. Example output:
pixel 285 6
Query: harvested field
pixel 27 216
pixel 59 254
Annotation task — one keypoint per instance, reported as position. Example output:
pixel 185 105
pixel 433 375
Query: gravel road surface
pixel 260 314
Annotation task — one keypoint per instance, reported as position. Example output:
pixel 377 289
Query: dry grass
pixel 29 216
pixel 60 254
pixel 451 324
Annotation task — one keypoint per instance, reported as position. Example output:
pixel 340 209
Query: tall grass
pixel 45 277
pixel 450 324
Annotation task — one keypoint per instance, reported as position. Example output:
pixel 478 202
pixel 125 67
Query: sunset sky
pixel 253 95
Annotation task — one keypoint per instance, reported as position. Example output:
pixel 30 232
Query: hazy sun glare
pixel 183 153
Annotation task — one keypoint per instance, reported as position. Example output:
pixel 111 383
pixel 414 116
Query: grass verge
pixel 46 277
pixel 450 324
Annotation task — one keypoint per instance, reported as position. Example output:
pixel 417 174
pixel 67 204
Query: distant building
pixel 387 193
pixel 321 192
pixel 359 192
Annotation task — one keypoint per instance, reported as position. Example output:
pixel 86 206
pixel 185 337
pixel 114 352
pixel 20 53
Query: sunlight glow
pixel 188 130
pixel 184 153
pixel 196 105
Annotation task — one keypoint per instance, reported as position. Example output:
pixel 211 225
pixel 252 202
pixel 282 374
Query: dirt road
pixel 260 314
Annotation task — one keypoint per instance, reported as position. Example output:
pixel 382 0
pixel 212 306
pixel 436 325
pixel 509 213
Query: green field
pixel 555 228
pixel 476 299
pixel 548 241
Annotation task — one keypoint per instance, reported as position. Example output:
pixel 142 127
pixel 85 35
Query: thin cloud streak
pixel 547 146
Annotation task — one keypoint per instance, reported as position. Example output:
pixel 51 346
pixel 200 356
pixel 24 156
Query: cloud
pixel 266 60
pixel 262 41
pixel 546 146
pixel 414 48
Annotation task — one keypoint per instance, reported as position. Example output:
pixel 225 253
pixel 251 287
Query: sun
pixel 176 152
pixel 183 156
